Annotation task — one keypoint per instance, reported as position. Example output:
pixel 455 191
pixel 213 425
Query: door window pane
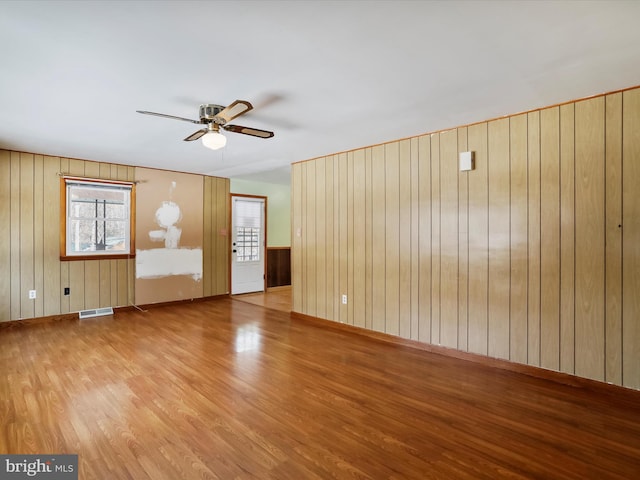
pixel 247 244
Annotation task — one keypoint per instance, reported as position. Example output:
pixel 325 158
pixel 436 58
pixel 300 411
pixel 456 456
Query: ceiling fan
pixel 214 117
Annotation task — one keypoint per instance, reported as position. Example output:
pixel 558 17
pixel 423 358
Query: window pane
pixel 92 236
pixel 97 218
pixel 247 244
pixel 116 236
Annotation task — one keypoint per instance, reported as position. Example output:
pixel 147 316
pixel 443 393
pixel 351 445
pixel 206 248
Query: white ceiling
pixel 325 76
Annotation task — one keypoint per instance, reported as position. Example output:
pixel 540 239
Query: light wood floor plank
pixel 225 389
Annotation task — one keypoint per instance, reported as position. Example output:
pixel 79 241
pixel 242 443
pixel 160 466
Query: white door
pixel 247 244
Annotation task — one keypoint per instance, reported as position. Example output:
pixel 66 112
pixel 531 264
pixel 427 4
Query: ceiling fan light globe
pixel 214 140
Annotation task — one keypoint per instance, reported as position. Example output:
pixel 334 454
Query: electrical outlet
pixel 67 291
pixel 32 294
pixel 344 299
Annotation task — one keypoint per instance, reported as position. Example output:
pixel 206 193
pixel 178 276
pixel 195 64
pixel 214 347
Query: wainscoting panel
pixel 278 266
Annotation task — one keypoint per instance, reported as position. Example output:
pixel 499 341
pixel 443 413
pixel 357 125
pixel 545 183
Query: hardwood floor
pixel 278 298
pixel 228 390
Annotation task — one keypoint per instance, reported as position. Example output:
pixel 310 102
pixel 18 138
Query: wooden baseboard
pixel 65 317
pixel 595 386
pixel 178 302
pixel 25 322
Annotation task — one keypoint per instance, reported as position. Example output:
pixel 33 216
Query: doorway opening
pixel 248 243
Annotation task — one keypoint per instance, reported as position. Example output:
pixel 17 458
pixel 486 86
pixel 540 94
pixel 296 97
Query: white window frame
pixel 66 250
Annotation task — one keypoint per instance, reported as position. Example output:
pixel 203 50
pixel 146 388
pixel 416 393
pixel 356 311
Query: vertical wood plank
pixel 550 238
pixel 567 239
pixel 220 212
pixel 76 299
pixel 15 282
pixel 343 257
pixel 463 248
pixel 533 316
pixel 296 237
pixel 76 167
pixel 414 173
pixel 424 238
pixel 378 239
pixel 123 283
pixel 478 240
pixel 38 234
pixel 435 239
pixel 64 266
pixel 305 237
pixel 321 238
pixel 359 241
pixel 330 226
pixel 113 280
pixel 222 235
pixel 631 239
pixel 305 234
pixel 405 185
pixel 337 288
pixel 368 226
pixel 5 235
pixel 613 239
pixel 392 238
pixel 349 289
pixel 499 241
pixel 311 240
pixel 590 232
pixel 26 247
pixel 518 239
pixel 449 238
pixel 219 198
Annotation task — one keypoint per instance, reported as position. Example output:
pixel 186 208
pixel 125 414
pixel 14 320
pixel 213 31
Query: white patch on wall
pixel 170 260
pixel 167 216
pixel 164 262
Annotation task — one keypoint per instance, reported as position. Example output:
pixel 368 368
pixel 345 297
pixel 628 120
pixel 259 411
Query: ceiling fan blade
pixel 248 131
pixel 234 110
pixel 196 135
pixel 168 116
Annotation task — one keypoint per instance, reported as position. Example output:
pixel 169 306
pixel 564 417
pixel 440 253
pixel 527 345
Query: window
pixel 247 244
pixel 97 219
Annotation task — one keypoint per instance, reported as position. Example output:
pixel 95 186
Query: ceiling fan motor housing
pixel 216 117
pixel 209 112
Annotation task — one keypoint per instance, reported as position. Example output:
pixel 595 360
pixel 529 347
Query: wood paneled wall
pixel 216 246
pixel 30 242
pixel 532 257
pixel 278 266
pixel 30 239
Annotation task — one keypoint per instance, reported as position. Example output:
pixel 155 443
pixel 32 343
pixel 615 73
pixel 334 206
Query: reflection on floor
pixel 278 298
